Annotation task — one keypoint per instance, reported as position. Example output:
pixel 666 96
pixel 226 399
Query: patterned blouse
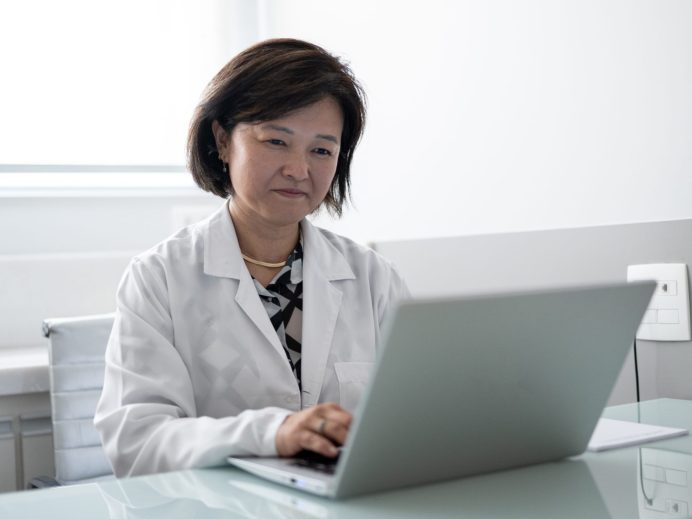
pixel 283 300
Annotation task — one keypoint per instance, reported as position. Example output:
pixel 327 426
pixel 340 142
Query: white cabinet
pixel 26 439
pixel 8 463
pixel 37 447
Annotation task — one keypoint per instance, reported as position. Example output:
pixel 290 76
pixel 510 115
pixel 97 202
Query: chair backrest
pixel 77 364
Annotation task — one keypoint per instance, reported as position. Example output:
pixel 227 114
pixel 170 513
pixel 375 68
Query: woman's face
pixel 281 170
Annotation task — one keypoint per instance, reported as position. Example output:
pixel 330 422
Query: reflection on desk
pixel 665 483
pixel 564 489
pixel 595 485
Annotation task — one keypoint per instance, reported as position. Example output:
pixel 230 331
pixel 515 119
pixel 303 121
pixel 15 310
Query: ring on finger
pixel 320 428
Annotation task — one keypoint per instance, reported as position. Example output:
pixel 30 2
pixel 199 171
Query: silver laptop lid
pixel 479 384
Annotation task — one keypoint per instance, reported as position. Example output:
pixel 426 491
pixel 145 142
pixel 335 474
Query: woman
pixel 251 332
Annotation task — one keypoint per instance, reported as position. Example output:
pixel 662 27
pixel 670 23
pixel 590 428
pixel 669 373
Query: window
pixel 93 90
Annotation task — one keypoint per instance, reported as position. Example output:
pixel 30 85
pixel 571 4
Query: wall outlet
pixel 668 316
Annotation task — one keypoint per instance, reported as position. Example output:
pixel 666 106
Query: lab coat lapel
pixel 249 301
pixel 222 258
pixel 322 265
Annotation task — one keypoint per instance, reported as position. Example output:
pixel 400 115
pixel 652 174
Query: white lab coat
pixel 194 369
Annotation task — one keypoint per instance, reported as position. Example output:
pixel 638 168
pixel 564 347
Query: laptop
pixel 470 385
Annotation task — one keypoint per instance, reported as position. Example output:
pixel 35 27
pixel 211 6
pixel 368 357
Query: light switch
pixel 668 315
pixel 653 473
pixel 676 477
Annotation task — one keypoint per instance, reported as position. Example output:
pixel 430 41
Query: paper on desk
pixel 611 434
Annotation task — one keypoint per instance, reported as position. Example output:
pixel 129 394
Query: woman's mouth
pixel 290 193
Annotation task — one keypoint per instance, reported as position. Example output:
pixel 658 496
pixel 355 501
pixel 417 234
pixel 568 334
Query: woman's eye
pixel 276 142
pixel 323 151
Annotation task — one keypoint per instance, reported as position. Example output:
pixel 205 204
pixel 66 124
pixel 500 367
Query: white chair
pixel 77 363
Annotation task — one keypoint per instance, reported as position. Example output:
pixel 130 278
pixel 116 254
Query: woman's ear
pixel 221 138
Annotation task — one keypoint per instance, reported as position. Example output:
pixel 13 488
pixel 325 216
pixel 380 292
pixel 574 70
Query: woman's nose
pixel 296 167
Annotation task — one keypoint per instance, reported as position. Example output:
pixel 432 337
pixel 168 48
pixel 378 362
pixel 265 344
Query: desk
pixel 644 482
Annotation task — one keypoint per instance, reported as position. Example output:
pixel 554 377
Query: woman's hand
pixel 320 429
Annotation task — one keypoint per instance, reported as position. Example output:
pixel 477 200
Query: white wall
pixel 70 224
pixel 485 116
pixel 64 256
pixel 507 115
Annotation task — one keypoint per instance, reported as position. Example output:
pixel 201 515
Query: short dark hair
pixel 267 81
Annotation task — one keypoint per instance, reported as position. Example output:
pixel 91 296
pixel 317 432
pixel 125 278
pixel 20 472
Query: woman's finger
pixel 331 429
pixel 320 429
pixel 312 441
pixel 335 413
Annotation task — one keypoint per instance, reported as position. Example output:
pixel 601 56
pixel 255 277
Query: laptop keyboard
pixel 314 461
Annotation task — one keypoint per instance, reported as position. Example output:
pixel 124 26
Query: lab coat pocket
pixel 352 377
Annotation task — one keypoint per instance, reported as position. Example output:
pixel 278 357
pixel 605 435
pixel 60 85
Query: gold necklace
pixel 262 263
